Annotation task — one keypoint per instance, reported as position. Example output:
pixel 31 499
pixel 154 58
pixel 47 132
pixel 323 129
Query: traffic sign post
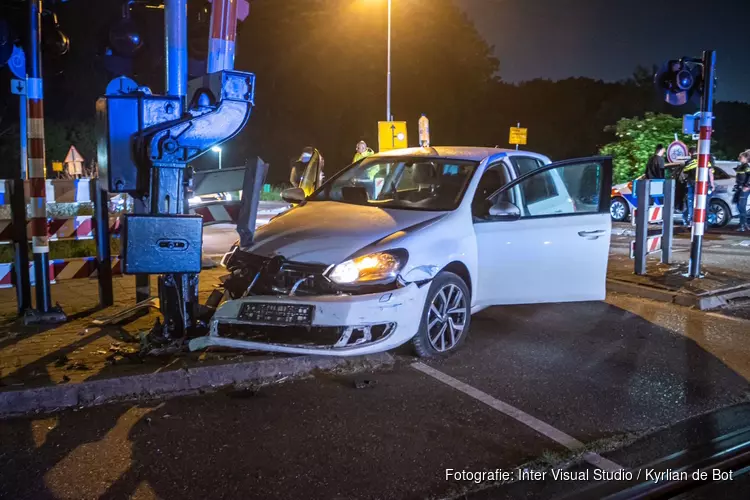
pixel 518 135
pixel 701 173
pixel 677 151
pixel 392 135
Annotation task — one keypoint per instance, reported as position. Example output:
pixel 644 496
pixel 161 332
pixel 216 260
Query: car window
pixel 525 164
pixel 495 177
pixel 412 183
pixel 720 175
pixel 539 188
pixel 569 189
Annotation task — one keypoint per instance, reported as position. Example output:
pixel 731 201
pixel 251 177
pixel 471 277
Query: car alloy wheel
pixel 618 210
pixel 717 214
pixel 446 318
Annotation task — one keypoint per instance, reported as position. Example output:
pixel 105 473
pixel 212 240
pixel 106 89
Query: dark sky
pixel 606 39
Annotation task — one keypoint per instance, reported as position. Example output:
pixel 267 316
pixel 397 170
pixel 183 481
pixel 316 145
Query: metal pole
pixel 667 228
pixel 643 192
pixel 103 252
pixel 518 125
pixel 388 84
pixel 223 34
pixel 23 131
pixel 704 154
pixel 175 29
pixel 21 245
pixel 220 159
pixel 36 168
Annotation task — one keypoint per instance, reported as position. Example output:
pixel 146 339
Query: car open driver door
pixel 556 248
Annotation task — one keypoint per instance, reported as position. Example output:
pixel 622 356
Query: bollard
pixel 667 228
pixel 21 246
pixel 255 175
pixel 100 198
pixel 643 193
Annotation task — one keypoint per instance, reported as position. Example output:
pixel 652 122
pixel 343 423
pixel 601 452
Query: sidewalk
pixel 725 267
pixel 90 365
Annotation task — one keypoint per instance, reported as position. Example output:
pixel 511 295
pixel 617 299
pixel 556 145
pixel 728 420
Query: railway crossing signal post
pixel 146 143
pixel 681 81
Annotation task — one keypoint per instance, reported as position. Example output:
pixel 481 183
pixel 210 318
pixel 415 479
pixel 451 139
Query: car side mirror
pixel 505 210
pixel 293 195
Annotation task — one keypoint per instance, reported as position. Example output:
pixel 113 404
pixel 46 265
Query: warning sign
pixel 518 135
pixel 392 135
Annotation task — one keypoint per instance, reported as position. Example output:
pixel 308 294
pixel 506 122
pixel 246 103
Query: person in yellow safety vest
pixel 688 173
pixel 362 151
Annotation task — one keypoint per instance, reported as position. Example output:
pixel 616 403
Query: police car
pixel 721 209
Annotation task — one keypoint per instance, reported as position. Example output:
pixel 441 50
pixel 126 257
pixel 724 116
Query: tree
pixel 636 140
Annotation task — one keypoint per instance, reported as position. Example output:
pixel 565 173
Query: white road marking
pixel 543 428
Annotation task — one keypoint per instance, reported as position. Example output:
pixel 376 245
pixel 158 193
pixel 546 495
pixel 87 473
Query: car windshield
pixel 406 183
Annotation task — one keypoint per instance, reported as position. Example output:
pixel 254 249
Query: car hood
pixel 327 232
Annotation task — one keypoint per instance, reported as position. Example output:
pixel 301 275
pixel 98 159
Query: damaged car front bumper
pixel 333 325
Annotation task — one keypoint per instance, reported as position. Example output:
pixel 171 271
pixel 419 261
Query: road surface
pixel 599 373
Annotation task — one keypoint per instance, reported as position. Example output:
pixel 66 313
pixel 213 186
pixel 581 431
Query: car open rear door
pixel 552 245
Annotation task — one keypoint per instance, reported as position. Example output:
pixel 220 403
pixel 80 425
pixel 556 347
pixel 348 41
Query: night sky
pixel 607 39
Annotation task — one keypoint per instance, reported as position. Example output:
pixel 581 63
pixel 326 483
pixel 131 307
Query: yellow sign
pixel 518 135
pixel 57 166
pixel 392 135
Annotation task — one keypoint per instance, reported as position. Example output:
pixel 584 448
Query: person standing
pixel 742 188
pixel 655 165
pixel 362 151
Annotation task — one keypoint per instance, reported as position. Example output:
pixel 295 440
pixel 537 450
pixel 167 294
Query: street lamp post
pixel 388 84
pixel 217 149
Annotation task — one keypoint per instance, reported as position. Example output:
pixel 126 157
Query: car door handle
pixel 591 235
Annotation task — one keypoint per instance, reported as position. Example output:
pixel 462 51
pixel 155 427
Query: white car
pixel 451 231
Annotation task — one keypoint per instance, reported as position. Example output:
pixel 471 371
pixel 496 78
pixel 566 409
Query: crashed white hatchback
pixel 408 244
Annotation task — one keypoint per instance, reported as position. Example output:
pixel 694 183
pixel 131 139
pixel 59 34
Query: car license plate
pixel 277 314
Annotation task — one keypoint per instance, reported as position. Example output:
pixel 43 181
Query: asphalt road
pixel 599 373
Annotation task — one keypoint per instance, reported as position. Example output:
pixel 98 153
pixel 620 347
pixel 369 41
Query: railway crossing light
pixel 679 81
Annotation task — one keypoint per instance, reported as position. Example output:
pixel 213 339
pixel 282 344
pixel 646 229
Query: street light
pixel 388 85
pixel 388 77
pixel 217 149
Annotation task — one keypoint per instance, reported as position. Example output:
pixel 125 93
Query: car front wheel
pixel 445 318
pixel 619 209
pixel 718 213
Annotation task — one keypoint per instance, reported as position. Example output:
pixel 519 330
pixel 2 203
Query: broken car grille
pixel 327 336
pixel 278 276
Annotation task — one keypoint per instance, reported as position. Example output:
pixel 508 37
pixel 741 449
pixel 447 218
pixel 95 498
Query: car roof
pixel 472 153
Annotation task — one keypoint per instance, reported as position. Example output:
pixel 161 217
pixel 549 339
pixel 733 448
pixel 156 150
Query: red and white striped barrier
pixel 654 214
pixel 60 270
pixel 653 244
pixel 57 191
pixel 70 228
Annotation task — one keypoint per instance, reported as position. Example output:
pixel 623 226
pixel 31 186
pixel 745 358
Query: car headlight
pixel 374 268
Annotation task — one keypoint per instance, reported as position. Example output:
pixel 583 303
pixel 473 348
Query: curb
pixel 177 382
pixel 703 303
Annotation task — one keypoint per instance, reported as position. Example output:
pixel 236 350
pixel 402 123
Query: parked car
pixel 360 266
pixel 721 209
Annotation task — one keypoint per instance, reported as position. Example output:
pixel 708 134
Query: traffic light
pixel 680 81
pixel 134 43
